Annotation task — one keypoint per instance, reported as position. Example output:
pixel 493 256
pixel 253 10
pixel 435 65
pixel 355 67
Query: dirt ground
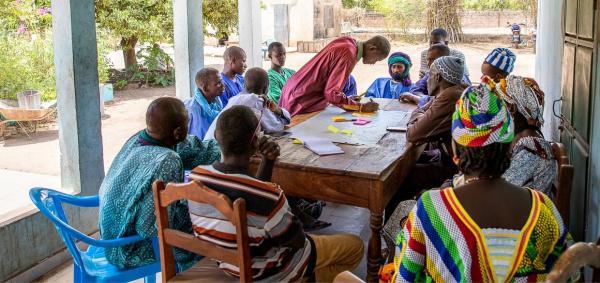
pixel 125 115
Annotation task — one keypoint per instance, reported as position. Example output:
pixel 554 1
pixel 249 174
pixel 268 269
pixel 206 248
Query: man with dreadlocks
pixel 430 125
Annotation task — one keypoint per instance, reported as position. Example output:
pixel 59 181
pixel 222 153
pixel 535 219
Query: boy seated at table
pixel 234 66
pixel 279 248
pixel 272 118
pixel 204 107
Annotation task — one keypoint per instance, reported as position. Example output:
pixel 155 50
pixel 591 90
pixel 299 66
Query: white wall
pixel 301 14
pixel 548 61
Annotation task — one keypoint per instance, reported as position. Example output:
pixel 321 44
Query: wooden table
pixel 362 176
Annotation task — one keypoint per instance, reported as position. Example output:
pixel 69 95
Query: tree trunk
pixel 444 14
pixel 128 47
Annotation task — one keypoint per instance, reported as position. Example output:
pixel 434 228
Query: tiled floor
pixel 347 219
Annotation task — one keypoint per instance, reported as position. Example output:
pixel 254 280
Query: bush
pixel 27 62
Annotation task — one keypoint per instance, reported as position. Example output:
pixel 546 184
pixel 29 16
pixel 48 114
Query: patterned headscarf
pixel 526 96
pixel 481 117
pixel 451 68
pixel 502 58
pixel 400 57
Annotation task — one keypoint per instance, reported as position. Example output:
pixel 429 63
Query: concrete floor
pixel 345 219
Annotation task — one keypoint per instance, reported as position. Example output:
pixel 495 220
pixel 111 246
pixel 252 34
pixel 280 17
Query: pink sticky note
pixel 361 122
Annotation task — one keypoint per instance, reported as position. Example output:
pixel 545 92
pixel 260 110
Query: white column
pixel 76 64
pixel 189 45
pixel 548 61
pixel 250 31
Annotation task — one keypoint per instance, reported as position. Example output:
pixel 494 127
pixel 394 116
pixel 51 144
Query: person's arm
pixel 194 152
pixel 268 151
pixel 420 87
pixel 411 250
pixel 342 65
pixel 274 117
pixel 431 120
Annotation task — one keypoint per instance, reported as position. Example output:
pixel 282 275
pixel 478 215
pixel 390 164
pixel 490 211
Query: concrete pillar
pixel 548 61
pixel 189 45
pixel 76 64
pixel 250 31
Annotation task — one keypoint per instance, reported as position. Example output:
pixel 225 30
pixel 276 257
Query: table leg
pixel 374 251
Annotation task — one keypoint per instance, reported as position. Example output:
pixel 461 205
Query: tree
pixel 221 15
pixel 136 21
pixel 401 14
pixel 349 4
pixel 444 14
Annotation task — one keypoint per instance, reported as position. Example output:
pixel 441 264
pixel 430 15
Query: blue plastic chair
pixel 90 265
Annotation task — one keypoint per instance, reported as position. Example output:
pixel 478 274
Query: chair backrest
pixel 563 182
pixel 168 238
pixel 573 259
pixel 49 202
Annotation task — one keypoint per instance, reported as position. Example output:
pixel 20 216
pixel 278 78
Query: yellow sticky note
pixel 296 141
pixel 363 114
pixel 346 132
pixel 338 119
pixel 333 129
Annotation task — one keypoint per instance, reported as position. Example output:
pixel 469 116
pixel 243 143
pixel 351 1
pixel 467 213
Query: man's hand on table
pixel 409 97
pixel 370 106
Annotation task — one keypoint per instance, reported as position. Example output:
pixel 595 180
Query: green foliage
pixel 349 4
pixel 148 20
pixel 26 63
pixel 221 15
pixel 482 5
pixel 401 14
pixel 25 16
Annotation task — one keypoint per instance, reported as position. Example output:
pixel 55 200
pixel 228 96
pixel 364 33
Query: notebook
pixel 321 146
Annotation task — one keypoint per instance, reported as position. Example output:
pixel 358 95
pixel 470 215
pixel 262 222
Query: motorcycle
pixel 516 39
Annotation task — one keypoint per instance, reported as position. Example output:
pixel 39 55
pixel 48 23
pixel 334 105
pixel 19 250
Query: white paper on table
pixel 321 146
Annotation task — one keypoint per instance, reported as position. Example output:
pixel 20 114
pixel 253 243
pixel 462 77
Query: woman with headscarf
pixel 532 163
pixel 399 82
pixel 471 232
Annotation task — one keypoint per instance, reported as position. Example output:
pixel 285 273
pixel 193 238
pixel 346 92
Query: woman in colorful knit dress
pixel 472 233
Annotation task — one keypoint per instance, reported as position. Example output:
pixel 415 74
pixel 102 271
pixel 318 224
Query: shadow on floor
pixel 39 136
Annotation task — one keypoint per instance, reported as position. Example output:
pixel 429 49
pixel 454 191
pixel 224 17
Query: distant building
pixel 290 21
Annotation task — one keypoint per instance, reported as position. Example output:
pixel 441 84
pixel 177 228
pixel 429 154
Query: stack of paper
pixel 321 146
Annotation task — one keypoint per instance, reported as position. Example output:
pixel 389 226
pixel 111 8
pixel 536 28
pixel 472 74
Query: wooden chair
pixel 169 238
pixel 563 182
pixel 573 259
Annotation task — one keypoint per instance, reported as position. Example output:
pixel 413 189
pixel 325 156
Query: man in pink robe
pixel 321 80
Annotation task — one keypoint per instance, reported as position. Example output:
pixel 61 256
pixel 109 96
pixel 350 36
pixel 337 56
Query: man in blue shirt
pixel 233 70
pixel 204 107
pixel 418 94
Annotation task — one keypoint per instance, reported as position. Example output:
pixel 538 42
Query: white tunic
pixel 270 122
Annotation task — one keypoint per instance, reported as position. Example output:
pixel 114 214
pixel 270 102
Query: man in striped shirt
pixel 280 250
pixel 439 35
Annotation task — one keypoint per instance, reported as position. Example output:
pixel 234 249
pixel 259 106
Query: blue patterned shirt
pixel 127 203
pixel 232 87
